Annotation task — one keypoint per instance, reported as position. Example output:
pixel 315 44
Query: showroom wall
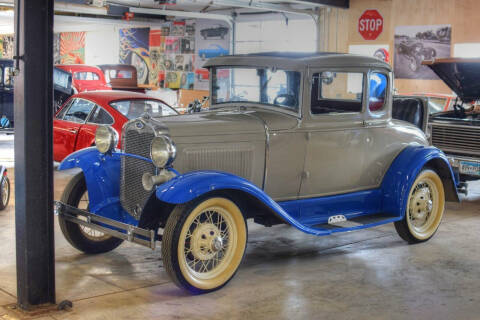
pixel 340 29
pixel 167 54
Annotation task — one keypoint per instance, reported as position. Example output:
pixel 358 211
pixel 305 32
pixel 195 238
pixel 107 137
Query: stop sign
pixel 370 24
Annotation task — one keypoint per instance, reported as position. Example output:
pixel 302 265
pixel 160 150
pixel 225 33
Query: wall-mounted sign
pixel 370 24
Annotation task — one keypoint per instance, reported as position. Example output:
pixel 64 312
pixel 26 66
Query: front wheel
pixel 80 237
pixel 203 244
pixel 425 207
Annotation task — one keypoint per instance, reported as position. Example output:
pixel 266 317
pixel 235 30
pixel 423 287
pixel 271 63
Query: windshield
pixel 135 108
pixel 279 88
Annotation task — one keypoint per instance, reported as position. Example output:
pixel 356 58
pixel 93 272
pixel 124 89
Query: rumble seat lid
pixel 460 74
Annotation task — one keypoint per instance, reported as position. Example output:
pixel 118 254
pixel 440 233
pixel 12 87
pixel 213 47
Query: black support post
pixel 33 153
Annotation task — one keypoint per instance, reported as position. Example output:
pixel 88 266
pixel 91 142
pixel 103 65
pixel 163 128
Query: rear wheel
pixel 204 243
pixel 80 237
pixel 425 207
pixel 4 192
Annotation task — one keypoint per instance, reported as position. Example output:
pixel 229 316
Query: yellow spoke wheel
pixel 425 207
pixel 204 243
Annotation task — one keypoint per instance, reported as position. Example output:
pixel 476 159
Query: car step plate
pixel 342 222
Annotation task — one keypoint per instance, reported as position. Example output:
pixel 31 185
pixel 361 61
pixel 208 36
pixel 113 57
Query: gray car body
pixel 295 155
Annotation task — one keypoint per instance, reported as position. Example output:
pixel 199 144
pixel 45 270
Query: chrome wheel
pixel 425 205
pixel 4 191
pixel 89 233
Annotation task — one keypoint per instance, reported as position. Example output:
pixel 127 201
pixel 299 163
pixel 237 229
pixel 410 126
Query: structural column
pixel 33 153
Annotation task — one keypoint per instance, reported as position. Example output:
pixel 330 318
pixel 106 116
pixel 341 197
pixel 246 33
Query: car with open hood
pixel 306 140
pixel 457 132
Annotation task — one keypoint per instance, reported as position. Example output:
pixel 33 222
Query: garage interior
pixel 286 274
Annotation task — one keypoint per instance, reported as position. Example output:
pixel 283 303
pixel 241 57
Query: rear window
pixel 120 74
pixel 135 108
pixel 86 75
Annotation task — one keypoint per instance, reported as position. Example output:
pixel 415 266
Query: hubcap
pixel 206 241
pixel 421 204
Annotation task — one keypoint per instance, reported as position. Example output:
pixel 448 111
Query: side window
pixel 158 109
pixel 337 92
pixel 8 77
pixel 62 112
pixel 79 111
pixel 86 75
pixel 378 91
pixel 101 116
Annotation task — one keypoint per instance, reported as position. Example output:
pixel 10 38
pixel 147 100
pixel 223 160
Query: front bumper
pixel 465 165
pixel 111 227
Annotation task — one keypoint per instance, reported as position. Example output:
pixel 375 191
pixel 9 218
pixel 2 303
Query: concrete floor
pixel 369 274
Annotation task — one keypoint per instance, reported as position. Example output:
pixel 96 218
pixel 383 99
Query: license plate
pixel 470 168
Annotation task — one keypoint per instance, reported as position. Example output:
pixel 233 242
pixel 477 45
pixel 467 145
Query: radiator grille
pixel 456 139
pixel 132 194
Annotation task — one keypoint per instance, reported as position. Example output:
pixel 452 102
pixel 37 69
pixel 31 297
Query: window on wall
pixel 276 35
pixel 467 50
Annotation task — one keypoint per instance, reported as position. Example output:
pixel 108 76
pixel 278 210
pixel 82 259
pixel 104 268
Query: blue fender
pixel 102 176
pixel 189 186
pixel 403 171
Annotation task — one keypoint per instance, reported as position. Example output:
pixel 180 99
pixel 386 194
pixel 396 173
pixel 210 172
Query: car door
pixel 86 134
pixel 333 124
pixel 67 124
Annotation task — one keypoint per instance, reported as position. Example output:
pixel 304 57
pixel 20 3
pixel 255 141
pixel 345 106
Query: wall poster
pixel 212 40
pixel 413 44
pixel 134 50
pixel 72 47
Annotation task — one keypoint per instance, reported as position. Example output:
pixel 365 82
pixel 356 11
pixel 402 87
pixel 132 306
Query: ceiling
pixel 144 10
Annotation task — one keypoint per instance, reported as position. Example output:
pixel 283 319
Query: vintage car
pixel 4 188
pixel 415 52
pixel 304 140
pixel 213 50
pixel 86 78
pixel 218 31
pixel 121 77
pixel 457 132
pixel 75 124
pixel 62 90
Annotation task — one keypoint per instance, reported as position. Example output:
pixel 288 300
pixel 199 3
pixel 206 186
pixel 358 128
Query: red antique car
pixel 86 78
pixel 76 122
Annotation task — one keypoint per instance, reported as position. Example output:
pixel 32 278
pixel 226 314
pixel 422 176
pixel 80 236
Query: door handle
pixel 72 131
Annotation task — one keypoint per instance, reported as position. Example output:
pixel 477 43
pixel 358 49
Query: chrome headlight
pixel 106 139
pixel 162 151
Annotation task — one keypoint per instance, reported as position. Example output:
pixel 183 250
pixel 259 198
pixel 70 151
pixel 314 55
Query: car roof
pixel 104 97
pixel 78 67
pixel 298 60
